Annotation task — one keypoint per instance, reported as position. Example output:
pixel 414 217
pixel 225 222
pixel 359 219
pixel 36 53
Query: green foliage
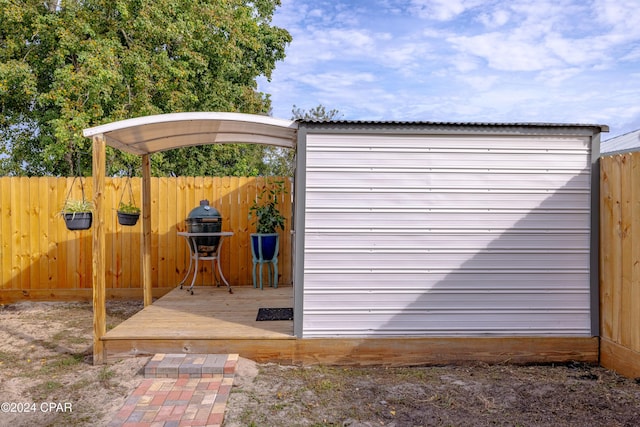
pixel 128 208
pixel 318 113
pixel 69 65
pixel 281 161
pixel 105 376
pixel 77 206
pixel 215 160
pixel 264 212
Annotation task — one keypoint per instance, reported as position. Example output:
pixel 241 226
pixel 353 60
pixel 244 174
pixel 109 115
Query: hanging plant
pixel 128 213
pixel 77 213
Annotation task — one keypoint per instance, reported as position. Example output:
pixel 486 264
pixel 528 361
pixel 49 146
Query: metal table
pixel 194 255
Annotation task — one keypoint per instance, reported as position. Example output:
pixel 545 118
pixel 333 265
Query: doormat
pixel 275 314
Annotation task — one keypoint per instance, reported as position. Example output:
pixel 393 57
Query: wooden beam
pixel 78 294
pixel 215 321
pixel 445 350
pixel 99 251
pixel 619 358
pixel 373 351
pixel 146 229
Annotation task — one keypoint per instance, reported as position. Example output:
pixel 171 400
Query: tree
pixel 281 161
pixel 318 113
pixel 67 65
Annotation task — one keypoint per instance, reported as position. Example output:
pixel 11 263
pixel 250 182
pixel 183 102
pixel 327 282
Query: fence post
pixel 98 252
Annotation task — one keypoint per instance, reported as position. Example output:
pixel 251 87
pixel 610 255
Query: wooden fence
pixel 620 263
pixel 41 259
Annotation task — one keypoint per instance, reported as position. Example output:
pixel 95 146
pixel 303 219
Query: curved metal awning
pixel 150 134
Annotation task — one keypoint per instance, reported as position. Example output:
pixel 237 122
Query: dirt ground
pixel 47 379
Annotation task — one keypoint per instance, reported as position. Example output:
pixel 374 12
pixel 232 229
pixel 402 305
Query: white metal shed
pixel 446 229
pixel 453 237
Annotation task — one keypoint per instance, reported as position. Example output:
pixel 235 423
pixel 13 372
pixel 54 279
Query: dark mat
pixel 275 314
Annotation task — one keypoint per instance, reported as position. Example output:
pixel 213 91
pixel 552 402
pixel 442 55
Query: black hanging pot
pixel 128 213
pixel 77 220
pixel 77 212
pixel 128 219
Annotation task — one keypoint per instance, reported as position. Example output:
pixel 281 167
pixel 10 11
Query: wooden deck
pixel 214 321
pixel 210 321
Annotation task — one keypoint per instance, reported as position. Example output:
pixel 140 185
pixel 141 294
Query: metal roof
pixel 622 144
pixel 600 127
pixel 150 134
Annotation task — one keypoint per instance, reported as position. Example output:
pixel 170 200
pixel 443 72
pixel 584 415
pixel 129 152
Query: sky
pixel 558 61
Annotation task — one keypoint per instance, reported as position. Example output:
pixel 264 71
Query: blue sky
pixel 560 61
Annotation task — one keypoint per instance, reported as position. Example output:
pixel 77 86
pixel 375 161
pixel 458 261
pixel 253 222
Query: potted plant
pixel 77 214
pixel 128 213
pixel 267 219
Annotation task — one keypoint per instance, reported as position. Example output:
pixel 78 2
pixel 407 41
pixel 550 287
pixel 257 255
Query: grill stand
pixel 194 255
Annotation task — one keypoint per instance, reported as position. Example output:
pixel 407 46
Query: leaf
pixel 82 64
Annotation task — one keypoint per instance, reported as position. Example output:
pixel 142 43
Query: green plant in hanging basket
pixel 128 213
pixel 72 206
pixel 128 208
pixel 77 214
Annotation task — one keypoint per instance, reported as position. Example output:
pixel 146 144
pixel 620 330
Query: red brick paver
pixel 180 390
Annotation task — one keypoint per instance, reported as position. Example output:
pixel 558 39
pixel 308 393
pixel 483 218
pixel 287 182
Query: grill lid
pixel 204 212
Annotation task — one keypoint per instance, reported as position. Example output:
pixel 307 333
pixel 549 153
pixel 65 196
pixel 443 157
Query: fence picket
pixel 39 253
pixel 619 236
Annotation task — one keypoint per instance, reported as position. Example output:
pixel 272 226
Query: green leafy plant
pixel 72 206
pixel 264 212
pixel 128 208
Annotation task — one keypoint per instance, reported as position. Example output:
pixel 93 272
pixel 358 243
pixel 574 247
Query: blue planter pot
pixel 265 246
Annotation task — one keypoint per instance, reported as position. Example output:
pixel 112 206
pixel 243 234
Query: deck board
pixel 212 313
pixel 214 321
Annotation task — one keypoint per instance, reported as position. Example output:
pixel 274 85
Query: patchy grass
pixel 478 395
pixel 46 356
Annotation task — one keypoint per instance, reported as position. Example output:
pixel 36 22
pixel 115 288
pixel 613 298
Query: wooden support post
pixel 99 251
pixel 146 229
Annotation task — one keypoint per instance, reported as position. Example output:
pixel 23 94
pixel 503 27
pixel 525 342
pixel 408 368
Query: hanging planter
pixel 78 220
pixel 128 213
pixel 77 214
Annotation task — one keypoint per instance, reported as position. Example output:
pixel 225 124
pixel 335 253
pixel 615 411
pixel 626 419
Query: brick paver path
pixel 180 390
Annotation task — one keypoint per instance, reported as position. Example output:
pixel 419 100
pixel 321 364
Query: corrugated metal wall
pixel 446 235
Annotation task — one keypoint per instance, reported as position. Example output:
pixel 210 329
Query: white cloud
pixel 632 55
pixel 468 60
pixel 495 19
pixel 347 40
pixel 572 52
pixel 403 54
pixel 623 16
pixel 506 53
pixel 481 83
pixel 334 81
pixel 441 10
pixel 465 63
pixel 556 77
